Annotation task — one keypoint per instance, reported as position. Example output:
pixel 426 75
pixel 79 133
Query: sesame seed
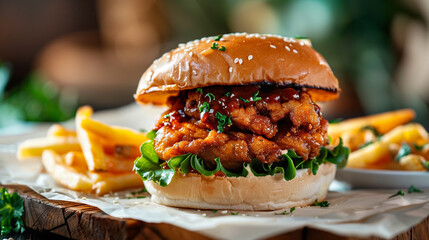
pixel 301 43
pixel 250 57
pixel 296 96
pixel 272 46
pixel 181 45
pixel 240 61
pixel 263 37
pixel 194 72
pixel 290 44
pixel 295 51
pixel 203 214
pixel 190 54
pixel 287 48
pixel 230 69
pixel 115 201
pixel 224 212
pixel 236 60
pixel 83 198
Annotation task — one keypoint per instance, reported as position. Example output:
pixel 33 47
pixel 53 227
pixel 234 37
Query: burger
pixel 242 130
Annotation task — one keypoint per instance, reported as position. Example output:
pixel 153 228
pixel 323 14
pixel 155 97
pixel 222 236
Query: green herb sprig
pixel 403 151
pixel 11 210
pixel 398 193
pixel 222 121
pixel 205 107
pixel 211 96
pixel 255 97
pixel 321 204
pixel 413 189
pixel 199 90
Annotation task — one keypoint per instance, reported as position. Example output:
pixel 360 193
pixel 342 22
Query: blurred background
pixel 58 54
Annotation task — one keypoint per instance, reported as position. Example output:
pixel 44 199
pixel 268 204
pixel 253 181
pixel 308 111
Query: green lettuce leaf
pixel 150 168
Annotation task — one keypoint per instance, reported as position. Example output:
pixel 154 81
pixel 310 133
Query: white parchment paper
pixel 359 213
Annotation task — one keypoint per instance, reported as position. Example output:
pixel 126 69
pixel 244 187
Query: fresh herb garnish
pixel 366 144
pixel 214 211
pixel 211 96
pixel 228 94
pixel 222 48
pixel 199 90
pixel 205 107
pixel 425 164
pixel 218 37
pixel 400 192
pixel 403 151
pixel 167 115
pixel 292 209
pixel 256 97
pixel 413 189
pixel 300 37
pixel 372 129
pixel 222 121
pixel 151 135
pixel 282 213
pixel 139 191
pixel 235 213
pixel 336 120
pixel 244 100
pixel 321 204
pixel 420 147
pixel 150 168
pixel 215 45
pixel 11 210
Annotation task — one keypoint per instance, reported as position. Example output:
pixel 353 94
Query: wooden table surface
pixel 45 218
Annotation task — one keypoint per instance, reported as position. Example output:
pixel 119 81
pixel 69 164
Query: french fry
pixel 383 122
pixel 76 160
pixel 110 182
pixel 65 175
pixel 377 154
pixel 58 130
pixel 90 143
pixel 34 148
pixel 119 135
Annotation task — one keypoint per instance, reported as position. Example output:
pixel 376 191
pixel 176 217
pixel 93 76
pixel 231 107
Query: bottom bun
pixel 244 193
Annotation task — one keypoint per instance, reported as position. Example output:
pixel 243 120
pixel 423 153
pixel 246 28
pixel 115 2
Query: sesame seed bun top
pixel 239 59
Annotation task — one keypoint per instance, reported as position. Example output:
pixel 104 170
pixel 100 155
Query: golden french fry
pixel 410 133
pixel 383 122
pixel 76 160
pixel 65 175
pixel 110 182
pixel 412 162
pixel 119 135
pixel 58 130
pixel 90 143
pixel 34 147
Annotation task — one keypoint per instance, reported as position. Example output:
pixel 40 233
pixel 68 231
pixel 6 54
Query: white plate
pixel 363 178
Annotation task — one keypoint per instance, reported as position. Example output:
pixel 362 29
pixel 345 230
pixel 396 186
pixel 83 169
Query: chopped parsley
pixel 256 97
pixel 199 90
pixel 244 100
pixel 215 211
pixel 211 96
pixel 222 121
pixel 215 45
pixel 413 189
pixel 420 147
pixel 11 210
pixel 218 37
pixel 400 192
pixel 228 94
pixel 167 115
pixel 235 213
pixel 403 151
pixel 372 129
pixel 425 164
pixel 205 107
pixel 292 209
pixel 222 48
pixel 321 204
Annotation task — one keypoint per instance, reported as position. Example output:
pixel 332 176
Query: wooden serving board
pixel 81 221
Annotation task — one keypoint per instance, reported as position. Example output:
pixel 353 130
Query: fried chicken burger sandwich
pixel 243 130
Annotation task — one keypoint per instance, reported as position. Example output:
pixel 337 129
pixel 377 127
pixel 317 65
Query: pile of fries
pixel 384 141
pixel 95 158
